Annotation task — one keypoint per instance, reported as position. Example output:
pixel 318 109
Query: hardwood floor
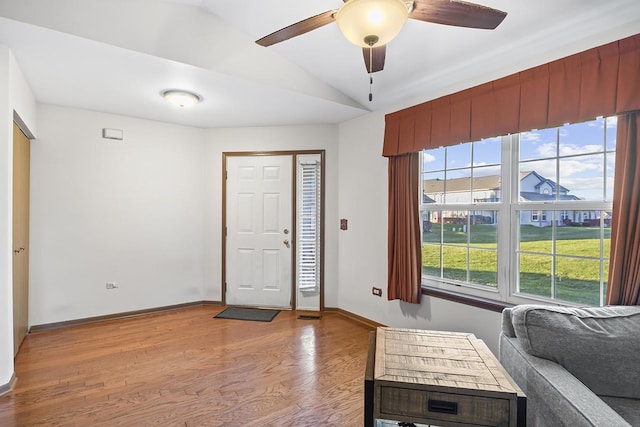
pixel 184 368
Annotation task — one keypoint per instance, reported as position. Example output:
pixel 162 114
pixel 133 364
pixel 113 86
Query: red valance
pixel 601 81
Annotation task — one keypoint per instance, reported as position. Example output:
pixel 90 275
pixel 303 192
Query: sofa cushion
pixel 600 346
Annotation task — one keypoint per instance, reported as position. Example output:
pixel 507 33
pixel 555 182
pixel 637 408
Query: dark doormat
pixel 255 314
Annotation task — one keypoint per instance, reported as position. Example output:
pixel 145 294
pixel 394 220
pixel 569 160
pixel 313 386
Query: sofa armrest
pixel 554 396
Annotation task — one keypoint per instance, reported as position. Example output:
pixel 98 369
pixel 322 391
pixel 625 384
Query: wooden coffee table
pixel 439 378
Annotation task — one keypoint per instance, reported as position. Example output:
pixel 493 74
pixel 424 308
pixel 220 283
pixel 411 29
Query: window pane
pixel 458 186
pixel 535 275
pixel 486 184
pixel 538 144
pixel 483 267
pixel 483 232
pixel 454 227
pixel 582 178
pixel 538 181
pixel 581 138
pixel 578 280
pixel 433 160
pixel 579 240
pixel 455 263
pixel 431 226
pixel 459 156
pixel 534 238
pixel 433 187
pixel 487 152
pixel 431 260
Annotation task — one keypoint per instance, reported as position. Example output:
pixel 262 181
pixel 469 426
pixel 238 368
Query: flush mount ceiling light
pixel 180 98
pixel 369 23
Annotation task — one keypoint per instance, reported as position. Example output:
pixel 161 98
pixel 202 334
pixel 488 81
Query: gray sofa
pixel 577 366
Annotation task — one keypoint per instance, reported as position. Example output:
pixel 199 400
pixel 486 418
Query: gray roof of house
pixel 543 180
pixel 537 197
pixel 490 182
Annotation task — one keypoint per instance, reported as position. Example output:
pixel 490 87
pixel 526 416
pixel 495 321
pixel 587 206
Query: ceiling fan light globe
pixel 359 19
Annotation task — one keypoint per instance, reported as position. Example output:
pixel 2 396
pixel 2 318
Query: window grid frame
pixel 507 211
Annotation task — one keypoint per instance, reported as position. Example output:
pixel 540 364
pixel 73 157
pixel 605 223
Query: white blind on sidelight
pixel 308 233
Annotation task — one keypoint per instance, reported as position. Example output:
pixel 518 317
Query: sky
pixel 584 168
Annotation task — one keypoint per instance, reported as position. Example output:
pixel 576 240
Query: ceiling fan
pixel 371 24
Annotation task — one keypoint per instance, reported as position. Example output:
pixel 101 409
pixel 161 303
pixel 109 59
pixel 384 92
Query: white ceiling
pixel 117 56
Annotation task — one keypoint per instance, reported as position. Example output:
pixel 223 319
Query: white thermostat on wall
pixel 112 134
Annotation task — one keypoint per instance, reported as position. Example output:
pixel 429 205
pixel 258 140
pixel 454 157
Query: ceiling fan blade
pixel 457 13
pixel 374 58
pixel 298 28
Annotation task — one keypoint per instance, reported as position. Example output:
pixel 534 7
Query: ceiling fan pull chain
pixel 370 73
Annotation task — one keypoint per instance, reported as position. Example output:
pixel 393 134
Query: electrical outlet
pixel 376 291
pixel 112 285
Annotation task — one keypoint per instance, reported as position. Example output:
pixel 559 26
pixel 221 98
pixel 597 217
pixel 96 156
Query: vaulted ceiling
pixel 117 56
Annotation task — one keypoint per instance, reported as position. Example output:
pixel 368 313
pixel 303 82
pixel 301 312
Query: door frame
pixel 294 228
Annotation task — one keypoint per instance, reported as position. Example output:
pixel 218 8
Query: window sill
pixel 484 303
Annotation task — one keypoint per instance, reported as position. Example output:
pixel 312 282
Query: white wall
pixel 320 137
pixel 15 96
pixel 22 100
pixel 6 153
pixel 363 247
pixel 129 211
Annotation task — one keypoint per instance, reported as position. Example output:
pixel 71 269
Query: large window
pixel 522 217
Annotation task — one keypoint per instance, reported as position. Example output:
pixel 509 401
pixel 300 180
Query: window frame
pixel 508 210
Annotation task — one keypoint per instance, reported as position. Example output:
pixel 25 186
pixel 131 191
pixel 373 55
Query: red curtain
pixel 405 254
pixel 598 82
pixel 624 268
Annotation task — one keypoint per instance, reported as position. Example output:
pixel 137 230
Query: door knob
pixel 286 242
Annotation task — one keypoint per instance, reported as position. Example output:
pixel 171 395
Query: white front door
pixel 258 243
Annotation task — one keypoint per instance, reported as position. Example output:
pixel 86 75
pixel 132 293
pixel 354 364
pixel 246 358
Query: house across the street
pixel 486 189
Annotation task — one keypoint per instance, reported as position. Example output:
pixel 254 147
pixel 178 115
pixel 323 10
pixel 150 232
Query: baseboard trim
pixel 353 316
pixel 115 316
pixel 8 387
pixel 124 315
pixel 209 302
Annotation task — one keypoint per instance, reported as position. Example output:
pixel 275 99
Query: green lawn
pixel 577 280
